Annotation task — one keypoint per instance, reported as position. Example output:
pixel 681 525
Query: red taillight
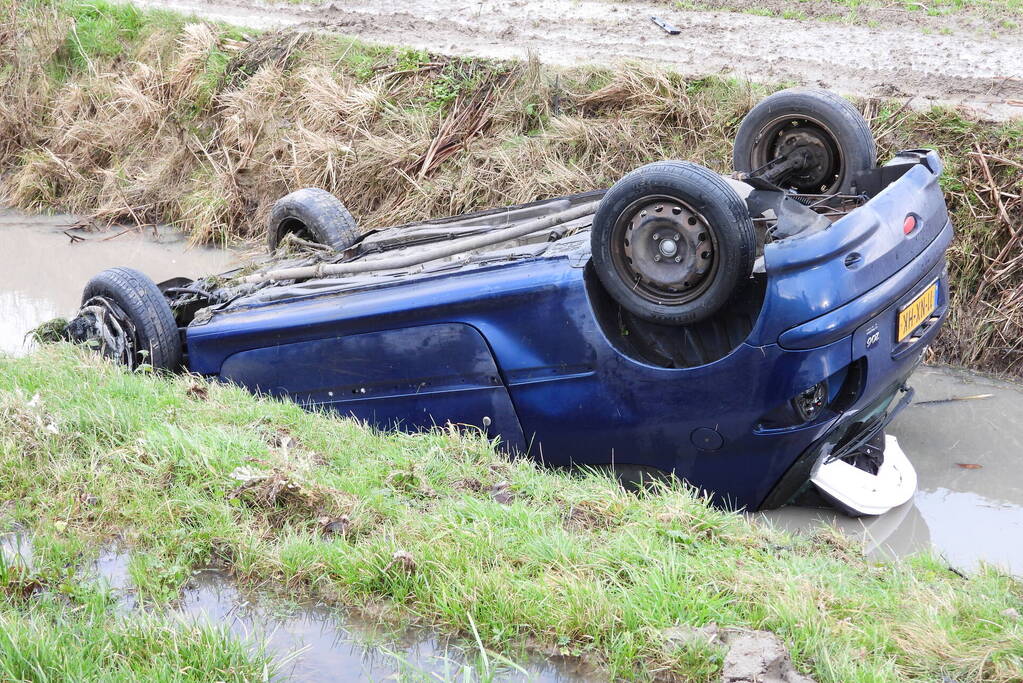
pixel 909 225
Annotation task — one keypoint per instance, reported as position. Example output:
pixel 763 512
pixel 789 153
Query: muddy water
pixel 43 270
pixel 968 514
pixel 320 643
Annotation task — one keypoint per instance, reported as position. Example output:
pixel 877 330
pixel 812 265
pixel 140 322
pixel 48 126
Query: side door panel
pixel 410 378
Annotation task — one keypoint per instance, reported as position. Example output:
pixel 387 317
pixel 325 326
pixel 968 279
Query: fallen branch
pixel 994 188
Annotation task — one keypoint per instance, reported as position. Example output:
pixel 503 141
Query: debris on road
pixel 667 26
pixel 953 399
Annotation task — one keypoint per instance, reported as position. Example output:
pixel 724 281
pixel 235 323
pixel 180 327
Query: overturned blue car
pixel 752 334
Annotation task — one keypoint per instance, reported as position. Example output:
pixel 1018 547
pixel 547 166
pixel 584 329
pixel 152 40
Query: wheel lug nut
pixel 678 259
pixel 675 237
pixel 657 257
pixel 657 236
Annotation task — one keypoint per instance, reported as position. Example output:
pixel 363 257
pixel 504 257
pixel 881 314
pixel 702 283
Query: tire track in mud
pixel 981 73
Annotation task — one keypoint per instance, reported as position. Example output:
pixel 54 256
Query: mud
pixel 44 271
pixel 983 73
pixel 750 656
pixel 969 459
pixel 980 20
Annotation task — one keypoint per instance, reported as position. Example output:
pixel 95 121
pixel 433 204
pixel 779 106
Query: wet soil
pixel 44 271
pixel 980 71
pixel 980 20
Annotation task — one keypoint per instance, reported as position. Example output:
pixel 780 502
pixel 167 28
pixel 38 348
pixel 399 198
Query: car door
pixel 410 378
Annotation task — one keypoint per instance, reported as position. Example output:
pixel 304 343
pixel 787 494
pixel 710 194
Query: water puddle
pixel 44 270
pixel 317 642
pixel 16 548
pixel 969 460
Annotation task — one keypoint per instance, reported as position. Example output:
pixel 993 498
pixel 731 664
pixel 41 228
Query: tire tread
pixel 713 190
pixel 322 213
pixel 143 302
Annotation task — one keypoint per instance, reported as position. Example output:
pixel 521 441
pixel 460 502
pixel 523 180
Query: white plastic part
pixel 865 493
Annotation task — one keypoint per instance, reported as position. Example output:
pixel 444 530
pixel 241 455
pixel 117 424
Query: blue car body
pixel 520 348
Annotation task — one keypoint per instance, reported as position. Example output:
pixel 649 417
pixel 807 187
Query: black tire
pixel 315 215
pixel 835 136
pixel 157 341
pixel 714 242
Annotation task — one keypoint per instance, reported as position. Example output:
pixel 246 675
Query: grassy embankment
pixel 559 561
pixel 153 117
pixel 149 117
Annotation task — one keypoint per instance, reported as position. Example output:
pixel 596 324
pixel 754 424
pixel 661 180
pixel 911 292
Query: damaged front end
pixel 103 325
pixel 857 467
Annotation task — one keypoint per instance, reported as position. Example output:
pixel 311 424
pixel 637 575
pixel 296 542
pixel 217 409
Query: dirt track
pixel 982 73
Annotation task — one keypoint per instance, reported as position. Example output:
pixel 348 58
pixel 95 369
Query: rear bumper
pixel 885 365
pixel 844 320
pixel 822 284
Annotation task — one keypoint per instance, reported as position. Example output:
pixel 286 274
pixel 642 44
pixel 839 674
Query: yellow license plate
pixel 917 311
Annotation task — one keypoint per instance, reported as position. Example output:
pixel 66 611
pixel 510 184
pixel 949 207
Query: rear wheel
pixel 807 140
pixel 314 215
pixel 126 316
pixel 672 241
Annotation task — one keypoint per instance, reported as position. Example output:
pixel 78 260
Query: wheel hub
pixel 813 149
pixel 667 249
pixel 104 325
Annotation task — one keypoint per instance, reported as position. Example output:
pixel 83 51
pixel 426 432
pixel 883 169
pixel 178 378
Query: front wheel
pixel 126 316
pixel 672 241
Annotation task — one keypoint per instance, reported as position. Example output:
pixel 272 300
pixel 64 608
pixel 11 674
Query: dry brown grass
pixel 206 127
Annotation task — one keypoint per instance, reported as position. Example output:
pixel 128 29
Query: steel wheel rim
pixel 113 333
pixel 671 272
pixel 787 134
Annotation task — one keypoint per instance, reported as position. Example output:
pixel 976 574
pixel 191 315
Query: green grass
pixel 54 627
pixel 103 31
pixel 573 562
pixel 54 641
pixel 938 7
